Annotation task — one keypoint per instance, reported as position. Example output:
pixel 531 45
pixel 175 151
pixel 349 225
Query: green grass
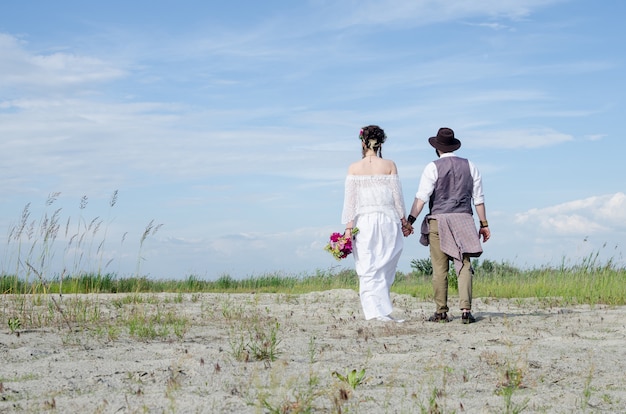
pixel 576 284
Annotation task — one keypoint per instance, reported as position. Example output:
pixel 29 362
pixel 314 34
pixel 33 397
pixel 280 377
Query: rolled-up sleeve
pixel 477 192
pixel 427 182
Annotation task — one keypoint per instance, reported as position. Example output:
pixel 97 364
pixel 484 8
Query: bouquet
pixel 339 246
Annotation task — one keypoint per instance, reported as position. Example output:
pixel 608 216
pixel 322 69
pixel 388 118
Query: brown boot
pixel 466 317
pixel 439 317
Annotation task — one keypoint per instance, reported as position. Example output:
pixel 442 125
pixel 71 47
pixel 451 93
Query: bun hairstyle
pixel 372 137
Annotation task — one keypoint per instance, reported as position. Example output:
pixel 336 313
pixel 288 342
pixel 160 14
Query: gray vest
pixel 454 187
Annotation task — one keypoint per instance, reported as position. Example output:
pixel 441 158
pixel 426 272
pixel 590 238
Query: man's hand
pixel 485 232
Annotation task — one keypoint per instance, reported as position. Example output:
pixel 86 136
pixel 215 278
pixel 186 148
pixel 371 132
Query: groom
pixel 450 185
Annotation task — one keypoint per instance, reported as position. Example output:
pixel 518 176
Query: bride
pixel 374 204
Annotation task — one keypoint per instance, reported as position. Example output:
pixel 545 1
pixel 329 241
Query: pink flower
pixel 339 246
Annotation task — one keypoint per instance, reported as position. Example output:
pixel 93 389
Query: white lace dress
pixel 376 205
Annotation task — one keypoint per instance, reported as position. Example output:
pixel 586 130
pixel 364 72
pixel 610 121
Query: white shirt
pixel 430 175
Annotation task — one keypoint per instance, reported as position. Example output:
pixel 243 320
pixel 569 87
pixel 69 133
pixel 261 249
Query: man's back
pixel 453 188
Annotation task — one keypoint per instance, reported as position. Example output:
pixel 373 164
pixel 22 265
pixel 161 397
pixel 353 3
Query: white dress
pixel 376 205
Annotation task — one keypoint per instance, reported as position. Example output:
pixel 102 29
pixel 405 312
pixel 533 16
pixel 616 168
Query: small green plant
pixel 353 378
pixel 142 329
pixel 113 333
pixel 14 324
pixel 422 266
pixel 238 346
pixel 437 397
pixel 511 382
pixel 263 345
pixel 300 400
pixel 433 404
pixel 588 389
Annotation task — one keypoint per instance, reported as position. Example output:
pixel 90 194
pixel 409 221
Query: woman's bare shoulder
pixel 393 165
pixel 390 167
pixel 353 169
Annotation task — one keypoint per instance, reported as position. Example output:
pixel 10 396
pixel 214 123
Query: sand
pixel 204 353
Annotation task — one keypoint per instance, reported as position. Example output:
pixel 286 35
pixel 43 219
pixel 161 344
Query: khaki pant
pixel 441 266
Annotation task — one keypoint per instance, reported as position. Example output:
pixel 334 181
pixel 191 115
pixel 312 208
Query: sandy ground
pixel 520 356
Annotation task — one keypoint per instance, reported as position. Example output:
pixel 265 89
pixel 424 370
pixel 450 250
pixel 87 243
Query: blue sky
pixel 230 126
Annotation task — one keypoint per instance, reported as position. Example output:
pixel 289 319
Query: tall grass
pixel 32 245
pixel 29 263
pixel 569 285
pixel 588 282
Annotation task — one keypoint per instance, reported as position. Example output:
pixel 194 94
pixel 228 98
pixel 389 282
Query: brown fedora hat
pixel 445 141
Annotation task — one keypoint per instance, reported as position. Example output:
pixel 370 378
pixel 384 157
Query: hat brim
pixel 455 145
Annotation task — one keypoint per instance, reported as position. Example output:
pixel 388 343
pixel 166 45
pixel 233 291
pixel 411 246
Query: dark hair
pixel 373 136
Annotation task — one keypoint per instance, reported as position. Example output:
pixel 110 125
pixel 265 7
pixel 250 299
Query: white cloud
pixel 583 217
pixel 568 233
pixel 57 70
pixel 612 209
pixel 571 224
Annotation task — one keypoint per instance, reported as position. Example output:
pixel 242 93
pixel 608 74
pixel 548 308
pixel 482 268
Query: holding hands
pixel 407 229
pixel 407 226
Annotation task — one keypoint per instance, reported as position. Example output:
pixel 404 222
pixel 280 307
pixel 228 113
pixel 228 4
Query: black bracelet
pixel 411 219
